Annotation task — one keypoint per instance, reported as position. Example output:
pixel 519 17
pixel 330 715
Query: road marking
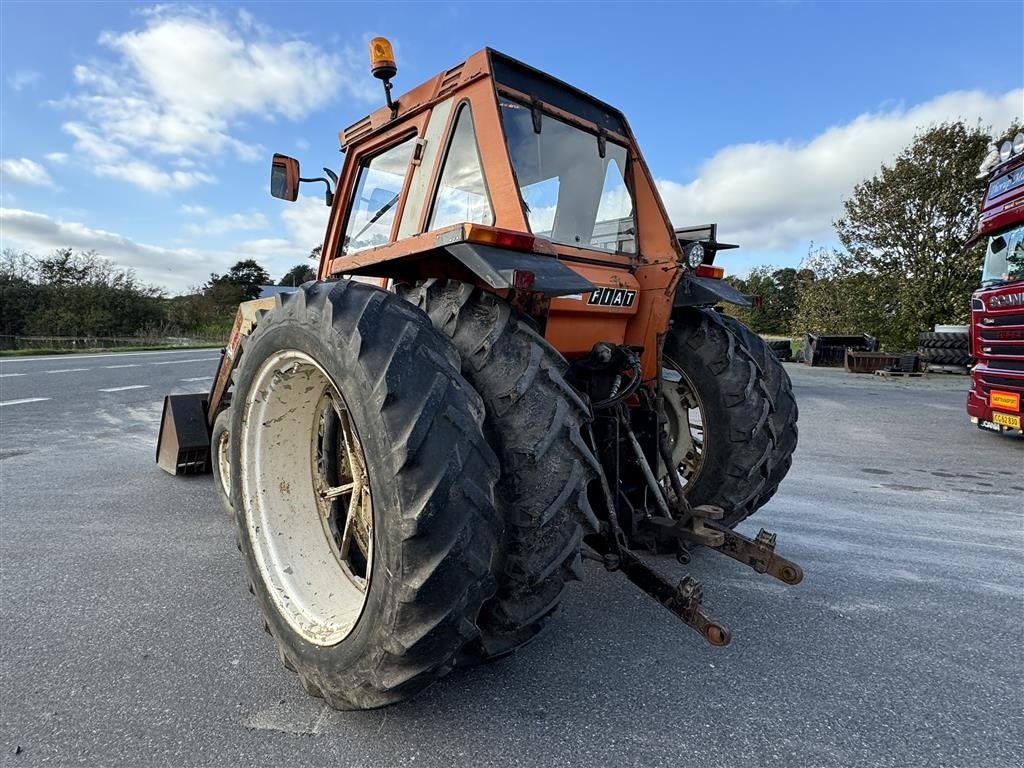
pixel 122 389
pixel 66 370
pixel 128 365
pixel 25 400
pixel 193 360
pixel 199 378
pixel 4 375
pixel 51 358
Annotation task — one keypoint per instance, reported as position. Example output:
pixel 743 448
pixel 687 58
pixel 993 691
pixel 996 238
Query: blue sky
pixel 145 132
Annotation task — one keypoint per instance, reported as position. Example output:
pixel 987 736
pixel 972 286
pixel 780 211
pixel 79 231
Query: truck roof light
pixel 1005 150
pixel 1018 143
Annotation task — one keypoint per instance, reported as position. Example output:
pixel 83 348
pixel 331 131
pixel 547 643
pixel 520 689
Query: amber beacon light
pixel 382 59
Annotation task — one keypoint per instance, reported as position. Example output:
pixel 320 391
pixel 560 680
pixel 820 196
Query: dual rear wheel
pixel 408 478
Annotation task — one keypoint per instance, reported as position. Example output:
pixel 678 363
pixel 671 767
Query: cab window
pixel 375 197
pixel 461 192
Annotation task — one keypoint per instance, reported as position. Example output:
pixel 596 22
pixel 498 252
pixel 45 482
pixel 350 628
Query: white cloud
pixel 193 210
pixel 306 222
pixel 150 177
pixel 218 225
pixel 174 268
pixel 775 196
pixel 57 158
pixel 184 84
pixel 23 78
pixel 24 171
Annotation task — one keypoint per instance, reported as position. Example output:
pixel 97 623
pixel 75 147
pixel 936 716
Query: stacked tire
pixel 945 347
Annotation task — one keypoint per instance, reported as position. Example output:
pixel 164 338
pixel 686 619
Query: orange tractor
pixel 510 361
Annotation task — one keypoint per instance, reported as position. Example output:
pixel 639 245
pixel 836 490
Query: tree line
pixel 81 294
pixel 903 265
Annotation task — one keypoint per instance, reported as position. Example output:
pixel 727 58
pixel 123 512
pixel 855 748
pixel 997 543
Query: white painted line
pixel 5 375
pixel 199 378
pixel 51 358
pixel 122 389
pixel 193 360
pixel 128 365
pixel 66 370
pixel 25 400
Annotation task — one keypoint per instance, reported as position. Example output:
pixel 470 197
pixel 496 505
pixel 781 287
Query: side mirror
pixel 284 178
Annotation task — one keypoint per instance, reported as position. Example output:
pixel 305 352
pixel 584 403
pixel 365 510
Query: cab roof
pixel 511 77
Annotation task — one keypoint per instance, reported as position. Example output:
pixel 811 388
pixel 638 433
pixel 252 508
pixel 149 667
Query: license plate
pixel 1006 419
pixel 1008 400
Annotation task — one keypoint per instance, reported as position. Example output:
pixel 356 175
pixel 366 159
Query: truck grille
pixel 1017 350
pixel 994 320
pixel 993 380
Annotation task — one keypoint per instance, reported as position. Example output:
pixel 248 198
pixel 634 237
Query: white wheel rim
pixel 683 407
pixel 224 464
pixel 306 497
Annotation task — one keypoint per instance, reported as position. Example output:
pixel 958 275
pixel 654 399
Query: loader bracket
pixel 183 447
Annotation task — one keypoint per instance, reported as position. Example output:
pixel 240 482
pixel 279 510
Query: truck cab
pixel 997 307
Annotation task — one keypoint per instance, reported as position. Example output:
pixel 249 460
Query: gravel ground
pixel 127 636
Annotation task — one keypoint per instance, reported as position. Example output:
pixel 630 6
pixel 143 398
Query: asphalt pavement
pixel 127 636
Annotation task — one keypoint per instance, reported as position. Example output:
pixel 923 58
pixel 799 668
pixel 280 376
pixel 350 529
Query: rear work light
pixel 710 270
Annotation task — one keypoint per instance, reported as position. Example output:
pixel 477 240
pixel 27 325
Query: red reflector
pixel 710 270
pixel 523 280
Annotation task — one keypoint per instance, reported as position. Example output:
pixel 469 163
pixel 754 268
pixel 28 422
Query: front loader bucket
pixel 183 447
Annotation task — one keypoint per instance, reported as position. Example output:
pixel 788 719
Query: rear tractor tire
pixel 363 491
pixel 533 424
pixel 731 411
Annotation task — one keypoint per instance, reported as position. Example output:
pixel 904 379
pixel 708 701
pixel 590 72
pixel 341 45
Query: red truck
pixel 997 308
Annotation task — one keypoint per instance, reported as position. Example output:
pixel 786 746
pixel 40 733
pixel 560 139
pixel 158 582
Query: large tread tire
pixel 939 356
pixel 944 340
pixel 748 441
pixel 431 474
pixel 784 413
pixel 533 424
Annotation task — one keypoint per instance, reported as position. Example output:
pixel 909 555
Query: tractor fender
pixel 694 291
pixel 497 267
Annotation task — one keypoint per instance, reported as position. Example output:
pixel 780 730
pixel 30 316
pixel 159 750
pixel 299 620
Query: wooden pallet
pixel 900 374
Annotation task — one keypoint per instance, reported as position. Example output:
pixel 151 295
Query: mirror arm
pixel 329 196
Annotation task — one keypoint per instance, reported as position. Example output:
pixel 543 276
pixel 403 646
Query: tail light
pixel 502 238
pixel 710 270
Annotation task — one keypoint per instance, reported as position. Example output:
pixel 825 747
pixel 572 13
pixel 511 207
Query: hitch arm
pixel 758 553
pixel 685 600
